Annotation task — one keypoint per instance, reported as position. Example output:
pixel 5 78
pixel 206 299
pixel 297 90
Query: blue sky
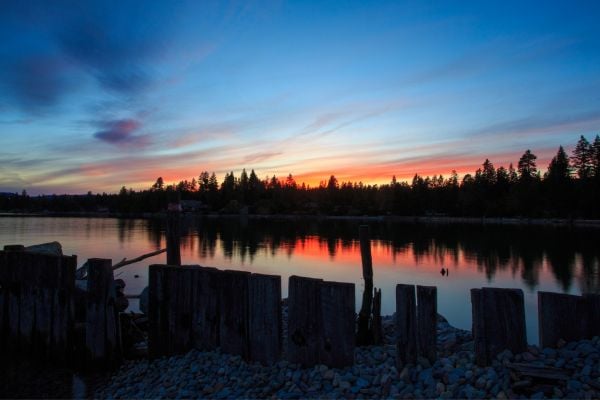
pixel 96 95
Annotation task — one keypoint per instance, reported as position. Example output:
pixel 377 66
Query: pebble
pixel 374 375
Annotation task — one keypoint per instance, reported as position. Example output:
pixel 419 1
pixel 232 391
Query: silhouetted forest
pixel 570 189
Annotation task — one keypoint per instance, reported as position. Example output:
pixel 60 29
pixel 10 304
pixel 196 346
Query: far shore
pixel 441 220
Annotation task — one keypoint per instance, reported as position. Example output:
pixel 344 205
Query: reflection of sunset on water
pixel 329 249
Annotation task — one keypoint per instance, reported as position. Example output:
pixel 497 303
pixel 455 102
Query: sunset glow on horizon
pixel 97 95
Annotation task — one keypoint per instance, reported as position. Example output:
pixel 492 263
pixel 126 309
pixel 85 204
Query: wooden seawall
pixel 194 307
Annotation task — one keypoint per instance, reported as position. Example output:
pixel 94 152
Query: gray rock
pixel 51 248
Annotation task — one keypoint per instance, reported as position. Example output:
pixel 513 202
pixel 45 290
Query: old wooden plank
pixel 478 329
pixel 265 339
pixel 233 304
pixel 338 338
pixel 157 322
pixel 171 291
pixel 102 323
pixel 427 322
pixel 376 326
pixel 560 317
pixel 13 290
pixel 304 321
pixel 3 304
pixel 542 372
pixel 592 311
pixel 406 325
pixel 183 335
pixel 498 323
pixel 2 321
pixel 205 310
pixel 59 272
pixel 28 267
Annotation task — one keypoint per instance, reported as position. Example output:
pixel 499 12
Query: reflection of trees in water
pixel 520 250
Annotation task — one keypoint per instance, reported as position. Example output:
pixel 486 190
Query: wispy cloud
pixel 122 132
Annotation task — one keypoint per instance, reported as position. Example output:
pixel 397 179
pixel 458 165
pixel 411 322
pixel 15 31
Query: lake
pixel 532 258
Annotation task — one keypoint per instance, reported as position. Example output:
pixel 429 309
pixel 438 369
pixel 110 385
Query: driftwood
pixel 81 272
pixel 535 371
pixel 125 261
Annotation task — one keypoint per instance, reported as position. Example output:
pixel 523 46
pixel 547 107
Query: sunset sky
pixel 97 95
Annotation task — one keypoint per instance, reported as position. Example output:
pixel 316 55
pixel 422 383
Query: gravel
pixel 374 375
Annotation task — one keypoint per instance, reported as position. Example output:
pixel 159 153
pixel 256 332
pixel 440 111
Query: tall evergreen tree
pixel 558 169
pixel 527 167
pixel 582 158
pixel 596 157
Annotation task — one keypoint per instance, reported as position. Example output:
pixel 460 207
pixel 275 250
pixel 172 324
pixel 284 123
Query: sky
pixel 96 95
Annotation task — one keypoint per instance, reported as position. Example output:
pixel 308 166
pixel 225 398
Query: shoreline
pixel 375 374
pixel 425 220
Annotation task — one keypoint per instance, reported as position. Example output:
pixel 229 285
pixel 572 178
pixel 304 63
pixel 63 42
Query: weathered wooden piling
pixel 321 328
pixel 337 341
pixel 406 325
pixel 36 306
pixel 234 320
pixel 376 326
pixel 427 322
pixel 177 310
pixel 567 317
pixel 265 331
pixel 364 334
pixel 157 314
pixel 498 322
pixel 181 280
pixel 102 331
pixel 304 320
pixel 205 312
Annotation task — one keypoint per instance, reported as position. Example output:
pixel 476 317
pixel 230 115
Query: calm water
pixel 531 258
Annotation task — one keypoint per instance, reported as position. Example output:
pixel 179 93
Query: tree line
pixel 570 188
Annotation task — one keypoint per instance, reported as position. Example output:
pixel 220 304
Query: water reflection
pixel 571 255
pixel 530 258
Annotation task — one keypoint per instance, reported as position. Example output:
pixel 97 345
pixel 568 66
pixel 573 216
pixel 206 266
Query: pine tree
pixel 582 158
pixel 527 167
pixel 596 157
pixel 489 172
pixel 558 169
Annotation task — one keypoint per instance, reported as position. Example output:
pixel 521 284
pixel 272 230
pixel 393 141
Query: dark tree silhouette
pixel 582 158
pixel 527 167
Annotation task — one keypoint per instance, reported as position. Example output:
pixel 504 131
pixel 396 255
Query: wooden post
pixel 592 302
pixel 364 336
pixel 234 319
pixel 205 316
pixel 304 321
pixel 265 318
pixel 102 322
pixel 174 233
pixel 406 326
pixel 427 322
pixel 563 316
pixel 498 322
pixel 182 329
pixel 36 306
pixel 376 327
pixel 336 348
pixel 157 315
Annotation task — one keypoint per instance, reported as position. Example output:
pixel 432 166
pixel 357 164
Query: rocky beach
pixel 570 371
